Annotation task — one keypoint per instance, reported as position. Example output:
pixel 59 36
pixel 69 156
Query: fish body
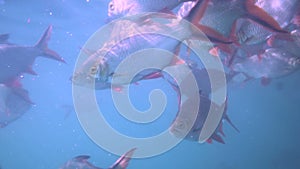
pixel 14 102
pixel 16 60
pixel 273 63
pixel 121 8
pixel 182 122
pixel 250 33
pixel 81 162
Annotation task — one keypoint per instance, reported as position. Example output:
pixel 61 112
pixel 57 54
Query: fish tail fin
pixel 42 44
pixel 23 94
pixel 123 161
pixel 230 122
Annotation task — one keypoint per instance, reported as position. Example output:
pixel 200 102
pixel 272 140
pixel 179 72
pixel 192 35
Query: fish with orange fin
pixel 229 11
pixel 121 8
pixel 273 63
pixel 16 60
pixel 101 66
pixel 81 162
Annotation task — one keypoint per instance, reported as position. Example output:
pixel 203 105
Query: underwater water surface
pixel 49 134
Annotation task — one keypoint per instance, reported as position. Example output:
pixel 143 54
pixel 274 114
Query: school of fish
pixel 255 40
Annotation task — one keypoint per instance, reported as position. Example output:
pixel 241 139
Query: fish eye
pixel 111 6
pixel 93 70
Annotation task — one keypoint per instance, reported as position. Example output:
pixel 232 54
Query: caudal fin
pixel 123 161
pixel 230 122
pixel 43 46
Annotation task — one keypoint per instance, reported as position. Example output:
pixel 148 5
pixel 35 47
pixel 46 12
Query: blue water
pixel 47 136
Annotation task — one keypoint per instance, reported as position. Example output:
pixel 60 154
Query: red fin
pixel 209 141
pixel 177 61
pixel 199 9
pixel 123 161
pixel 262 17
pixel 225 48
pixel 154 75
pixel 213 35
pixel 29 70
pixel 167 11
pixel 270 41
pixel 15 83
pixel 217 138
pixel 214 51
pixel 221 129
pixel 232 35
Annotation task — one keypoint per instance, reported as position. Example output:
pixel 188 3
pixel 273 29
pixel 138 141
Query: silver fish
pixel 81 162
pixel 273 63
pixel 183 122
pixel 99 66
pixel 16 60
pixel 121 8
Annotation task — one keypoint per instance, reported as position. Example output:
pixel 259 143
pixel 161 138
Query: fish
pixel 121 8
pixel 283 11
pixel 16 60
pixel 290 43
pixel 81 162
pixel 250 33
pixel 14 102
pixel 100 66
pixel 273 63
pixel 182 122
pixel 231 10
pixel 201 76
pixel 237 22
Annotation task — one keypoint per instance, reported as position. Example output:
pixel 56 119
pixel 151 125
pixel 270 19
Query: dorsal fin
pixel 123 161
pixel 82 158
